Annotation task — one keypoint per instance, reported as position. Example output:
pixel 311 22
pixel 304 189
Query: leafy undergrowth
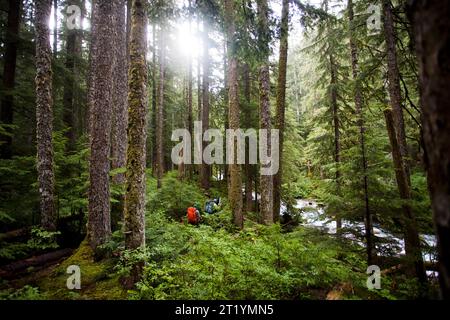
pixel 185 262
pixel 257 263
pixel 212 261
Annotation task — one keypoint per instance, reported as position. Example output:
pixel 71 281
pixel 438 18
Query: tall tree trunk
pixel 154 100
pixel 432 37
pixel 79 101
pixel 129 5
pixel 44 115
pixel 199 80
pixel 137 131
pixel 55 29
pixel 9 75
pixel 359 112
pixel 337 135
pixel 235 189
pixel 120 93
pixel 190 118
pixel 247 168
pixel 412 240
pixel 73 55
pixel 160 111
pixel 266 181
pixel 182 165
pixel 281 105
pixel 90 77
pixel 398 141
pixel 393 75
pixel 99 222
pixel 199 87
pixel 227 125
pixel 205 168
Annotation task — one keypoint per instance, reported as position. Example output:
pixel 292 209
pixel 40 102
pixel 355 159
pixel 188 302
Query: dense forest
pixel 235 149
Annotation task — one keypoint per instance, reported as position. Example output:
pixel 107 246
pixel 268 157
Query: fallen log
pixel 13 269
pixel 14 234
pixel 429 266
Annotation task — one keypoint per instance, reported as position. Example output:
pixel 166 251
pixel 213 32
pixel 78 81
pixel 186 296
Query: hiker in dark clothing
pixel 212 206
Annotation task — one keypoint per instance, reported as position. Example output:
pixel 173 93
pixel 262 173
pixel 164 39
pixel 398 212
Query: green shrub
pixel 186 262
pixel 174 197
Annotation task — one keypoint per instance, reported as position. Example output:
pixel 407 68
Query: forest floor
pixel 213 261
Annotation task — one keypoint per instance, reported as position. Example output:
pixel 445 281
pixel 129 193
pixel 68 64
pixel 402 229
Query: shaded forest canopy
pixel 355 93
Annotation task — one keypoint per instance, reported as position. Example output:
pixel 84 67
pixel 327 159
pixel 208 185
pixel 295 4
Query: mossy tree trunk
pixel 393 75
pixel 160 110
pixel 432 40
pixel 44 115
pixel 137 130
pixel 247 114
pixel 398 141
pixel 415 264
pixel 281 105
pixel 120 92
pixel 99 221
pixel 235 189
pixel 266 181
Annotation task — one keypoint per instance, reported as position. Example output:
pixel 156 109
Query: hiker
pixel 212 206
pixel 193 215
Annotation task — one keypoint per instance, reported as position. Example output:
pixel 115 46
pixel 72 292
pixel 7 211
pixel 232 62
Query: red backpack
pixel 192 215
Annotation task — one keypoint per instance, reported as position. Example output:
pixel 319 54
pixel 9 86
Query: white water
pixel 314 216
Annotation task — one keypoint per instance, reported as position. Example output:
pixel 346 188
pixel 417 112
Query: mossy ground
pixel 98 280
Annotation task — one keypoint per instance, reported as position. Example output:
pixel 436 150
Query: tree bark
pixel 247 168
pixel 266 182
pixel 358 99
pixel 235 189
pixel 337 135
pixel 44 116
pixel 281 105
pixel 92 58
pixel 9 74
pixel 160 111
pixel 199 80
pixel 412 240
pixel 393 75
pixel 154 100
pixel 205 168
pixel 120 93
pixel 129 4
pixel 73 54
pixel 99 221
pixel 137 131
pixel 432 40
pixel 396 131
pixel 227 125
pixel 14 269
pixel 190 119
pixel 55 29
